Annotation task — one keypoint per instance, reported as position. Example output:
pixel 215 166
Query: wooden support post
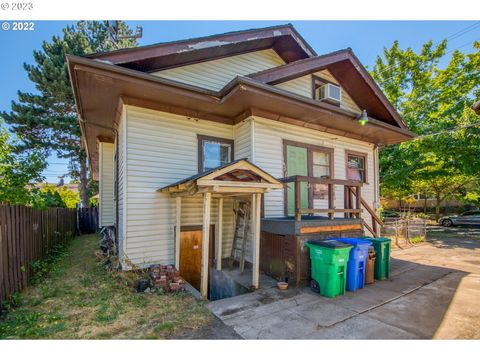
pixel 178 227
pixel 358 200
pixel 256 209
pixel 331 204
pixel 298 202
pixel 207 197
pixel 220 234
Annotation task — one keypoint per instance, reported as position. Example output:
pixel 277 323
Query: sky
pixel 366 38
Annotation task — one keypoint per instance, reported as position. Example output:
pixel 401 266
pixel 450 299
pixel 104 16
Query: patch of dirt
pixel 214 329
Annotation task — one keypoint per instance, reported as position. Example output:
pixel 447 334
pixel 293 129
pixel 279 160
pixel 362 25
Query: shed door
pixel 297 164
pixel 191 253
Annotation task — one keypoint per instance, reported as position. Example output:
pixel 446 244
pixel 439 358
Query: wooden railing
pixel 376 221
pixel 353 200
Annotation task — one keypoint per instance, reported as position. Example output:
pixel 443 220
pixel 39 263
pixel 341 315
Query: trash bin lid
pixel 379 240
pixel 334 244
pixel 354 241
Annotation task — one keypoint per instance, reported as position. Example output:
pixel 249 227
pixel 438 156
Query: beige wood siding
pixel 161 149
pixel 215 74
pixel 120 148
pixel 106 184
pixel 269 136
pixel 243 140
pixel 303 86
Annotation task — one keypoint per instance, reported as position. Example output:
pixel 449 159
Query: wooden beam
pixel 256 210
pixel 264 185
pixel 297 197
pixel 234 189
pixel 329 211
pixel 207 197
pixel 220 234
pixel 314 180
pixel 315 229
pixel 331 202
pixel 178 227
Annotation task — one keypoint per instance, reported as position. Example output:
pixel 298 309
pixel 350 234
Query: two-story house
pixel 181 134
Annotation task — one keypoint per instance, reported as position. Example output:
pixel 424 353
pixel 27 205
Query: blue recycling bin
pixel 357 262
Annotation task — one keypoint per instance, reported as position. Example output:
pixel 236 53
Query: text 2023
pixel 22 6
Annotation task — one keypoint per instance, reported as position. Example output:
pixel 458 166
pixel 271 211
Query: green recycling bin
pixel 382 260
pixel 329 260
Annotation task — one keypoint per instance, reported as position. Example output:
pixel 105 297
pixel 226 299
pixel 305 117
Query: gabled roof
pixel 284 39
pixel 101 89
pixel 103 83
pixel 351 74
pixel 227 177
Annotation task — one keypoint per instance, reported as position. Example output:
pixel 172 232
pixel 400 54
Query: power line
pixel 450 37
pixel 448 131
pixel 447 53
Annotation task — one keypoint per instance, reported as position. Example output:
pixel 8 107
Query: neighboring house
pixel 165 127
pixel 419 202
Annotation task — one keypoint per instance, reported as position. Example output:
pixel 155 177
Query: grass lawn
pixel 78 299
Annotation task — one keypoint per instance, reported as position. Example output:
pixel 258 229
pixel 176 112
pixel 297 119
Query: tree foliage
pixel 18 173
pixel 47 119
pixel 51 195
pixel 432 99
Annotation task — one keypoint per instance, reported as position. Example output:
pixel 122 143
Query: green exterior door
pixel 297 164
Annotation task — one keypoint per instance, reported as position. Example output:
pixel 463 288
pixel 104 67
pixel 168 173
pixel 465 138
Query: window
pixel 320 169
pixel 356 166
pixel 213 152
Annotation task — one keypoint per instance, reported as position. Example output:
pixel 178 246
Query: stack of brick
pixel 167 277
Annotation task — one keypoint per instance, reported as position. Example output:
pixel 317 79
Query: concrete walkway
pixel 433 292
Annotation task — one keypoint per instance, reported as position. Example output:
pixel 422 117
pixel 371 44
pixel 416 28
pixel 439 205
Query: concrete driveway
pixel 433 292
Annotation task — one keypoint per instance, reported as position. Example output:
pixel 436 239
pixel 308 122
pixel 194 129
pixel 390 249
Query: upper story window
pixel 356 166
pixel 324 90
pixel 213 152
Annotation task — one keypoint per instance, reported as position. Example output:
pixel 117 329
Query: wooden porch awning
pixel 233 179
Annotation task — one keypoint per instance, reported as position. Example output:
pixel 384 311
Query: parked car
pixel 467 218
pixel 390 214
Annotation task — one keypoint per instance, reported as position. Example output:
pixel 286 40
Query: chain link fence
pixel 405 232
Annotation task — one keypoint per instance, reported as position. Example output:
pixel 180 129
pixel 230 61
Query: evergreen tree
pixel 48 118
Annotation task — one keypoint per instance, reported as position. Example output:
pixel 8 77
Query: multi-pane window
pixel 356 167
pixel 214 152
pixel 320 169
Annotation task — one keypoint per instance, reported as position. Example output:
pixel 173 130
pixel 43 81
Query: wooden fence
pixel 28 235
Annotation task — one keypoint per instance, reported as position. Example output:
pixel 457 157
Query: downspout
pixel 376 174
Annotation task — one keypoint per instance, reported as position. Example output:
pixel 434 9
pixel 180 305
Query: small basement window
pixel 213 152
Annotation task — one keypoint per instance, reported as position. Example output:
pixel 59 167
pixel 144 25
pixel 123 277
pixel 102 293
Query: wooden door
pixel 191 253
pixel 297 164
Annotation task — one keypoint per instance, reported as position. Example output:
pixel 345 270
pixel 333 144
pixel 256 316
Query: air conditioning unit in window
pixel 329 92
